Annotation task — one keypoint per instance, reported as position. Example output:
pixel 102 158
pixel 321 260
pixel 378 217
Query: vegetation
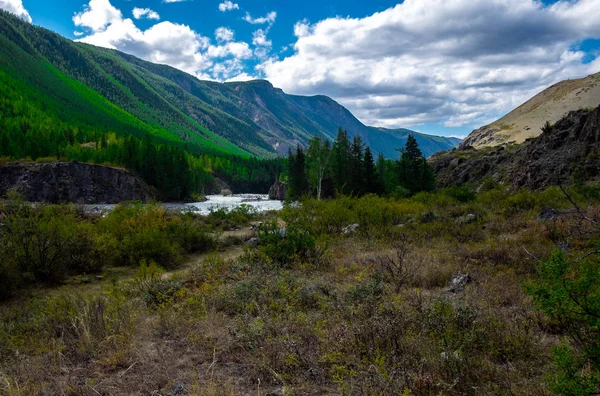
pixel 351 169
pixel 309 308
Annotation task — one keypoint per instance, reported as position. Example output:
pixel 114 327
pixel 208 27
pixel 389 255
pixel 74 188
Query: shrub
pixel 569 292
pixel 47 242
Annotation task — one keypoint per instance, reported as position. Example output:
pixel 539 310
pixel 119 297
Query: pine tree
pixel 298 182
pixel 356 166
pixel 340 161
pixel 371 175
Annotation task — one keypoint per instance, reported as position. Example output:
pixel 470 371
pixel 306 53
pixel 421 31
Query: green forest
pixel 349 168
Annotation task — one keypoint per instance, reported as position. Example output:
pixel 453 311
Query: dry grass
pixel 228 325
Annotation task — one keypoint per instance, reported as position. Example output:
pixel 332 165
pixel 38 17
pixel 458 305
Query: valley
pixel 165 234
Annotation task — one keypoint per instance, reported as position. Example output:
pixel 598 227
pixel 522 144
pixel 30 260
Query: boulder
pixel 277 191
pixel 458 282
pixel 351 229
pixel 467 219
pixel 548 214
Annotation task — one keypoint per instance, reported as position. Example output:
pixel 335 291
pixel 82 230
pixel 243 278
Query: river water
pixel 259 202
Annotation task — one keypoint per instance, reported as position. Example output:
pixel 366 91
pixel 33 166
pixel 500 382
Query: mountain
pixel 549 105
pixel 88 83
pixel 567 152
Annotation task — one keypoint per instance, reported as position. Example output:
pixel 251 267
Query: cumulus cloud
pixel 139 13
pixel 224 34
pixel 97 15
pixel 269 18
pixel 166 42
pixel 457 62
pixel 16 7
pixel 259 38
pixel 228 6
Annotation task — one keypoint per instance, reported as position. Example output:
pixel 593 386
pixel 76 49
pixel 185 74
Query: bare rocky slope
pixel 549 105
pixel 568 152
pixel 57 182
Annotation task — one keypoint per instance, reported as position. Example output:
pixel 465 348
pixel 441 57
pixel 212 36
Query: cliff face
pixel 569 150
pixel 72 182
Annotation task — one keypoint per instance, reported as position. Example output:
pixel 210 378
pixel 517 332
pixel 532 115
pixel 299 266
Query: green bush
pixel 568 291
pixel 46 243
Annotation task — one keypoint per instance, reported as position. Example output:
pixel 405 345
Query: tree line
pixel 348 167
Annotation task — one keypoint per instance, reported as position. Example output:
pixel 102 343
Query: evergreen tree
pixel 372 178
pixel 340 161
pixel 414 173
pixel 356 166
pixel 298 182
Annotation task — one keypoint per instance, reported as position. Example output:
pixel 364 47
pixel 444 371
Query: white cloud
pixel 224 34
pixel 228 6
pixel 173 1
pixel 165 42
pixel 259 38
pixel 139 13
pixel 77 34
pixel 457 62
pixel 97 15
pixel 269 18
pixel 16 7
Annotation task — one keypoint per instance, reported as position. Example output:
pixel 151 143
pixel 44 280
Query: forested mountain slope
pixel 253 115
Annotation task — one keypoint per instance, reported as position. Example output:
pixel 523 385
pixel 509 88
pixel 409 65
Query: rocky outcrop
pixel 277 191
pixel 568 150
pixel 219 185
pixel 73 182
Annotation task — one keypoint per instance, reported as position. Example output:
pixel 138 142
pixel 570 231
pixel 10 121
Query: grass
pixel 362 313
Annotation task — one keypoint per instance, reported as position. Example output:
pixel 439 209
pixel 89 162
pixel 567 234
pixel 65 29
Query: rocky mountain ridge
pixel 525 121
pixel 568 151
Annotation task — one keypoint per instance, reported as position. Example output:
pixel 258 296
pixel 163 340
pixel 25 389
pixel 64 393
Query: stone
pixel 351 229
pixel 459 282
pixel 226 192
pixel 548 214
pixel 469 218
pixel 276 392
pixel 180 389
pixel 277 191
pixel 251 242
pixel 428 217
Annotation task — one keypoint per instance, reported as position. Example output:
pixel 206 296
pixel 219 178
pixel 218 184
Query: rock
pixel 548 214
pixel 351 229
pixel 251 242
pixel 458 282
pixel 466 219
pixel 180 389
pixel 75 182
pixel 564 246
pixel 276 392
pixel 219 186
pixel 225 192
pixel 277 191
pixel 428 217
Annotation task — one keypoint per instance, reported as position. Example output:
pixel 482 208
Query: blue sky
pixel 436 66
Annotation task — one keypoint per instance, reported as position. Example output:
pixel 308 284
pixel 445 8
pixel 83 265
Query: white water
pixel 261 203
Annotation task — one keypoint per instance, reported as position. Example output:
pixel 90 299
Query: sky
pixel 443 67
